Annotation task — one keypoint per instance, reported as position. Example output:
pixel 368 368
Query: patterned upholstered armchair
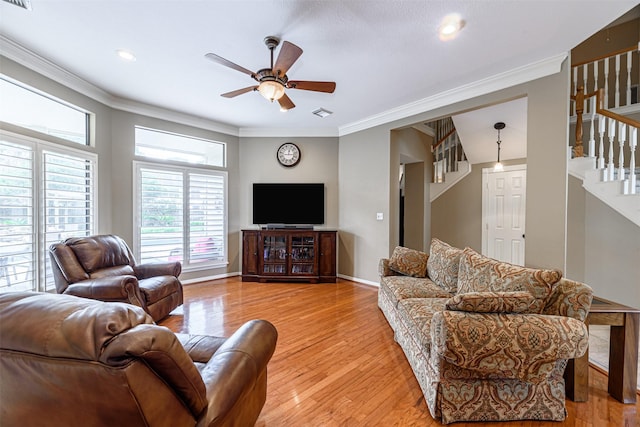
pixel 507 366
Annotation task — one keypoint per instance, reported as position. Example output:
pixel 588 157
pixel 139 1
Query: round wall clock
pixel 288 154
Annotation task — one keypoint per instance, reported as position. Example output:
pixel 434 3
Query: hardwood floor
pixel 336 363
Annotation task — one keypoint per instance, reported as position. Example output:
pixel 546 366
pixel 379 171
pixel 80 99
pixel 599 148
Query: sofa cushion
pixel 478 273
pixel 403 287
pixel 442 265
pixel 409 262
pixel 492 302
pixel 416 314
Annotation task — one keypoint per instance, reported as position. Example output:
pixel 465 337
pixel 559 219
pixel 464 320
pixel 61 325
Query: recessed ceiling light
pixel 126 55
pixel 450 26
pixel 321 112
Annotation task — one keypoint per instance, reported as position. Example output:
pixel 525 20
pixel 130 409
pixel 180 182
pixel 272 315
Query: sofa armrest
pixel 235 367
pixel 384 269
pixel 145 271
pixel 110 288
pixel 522 346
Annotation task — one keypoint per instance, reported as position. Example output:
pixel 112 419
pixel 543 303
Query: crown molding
pixel 172 116
pixel 43 66
pixel 288 132
pixel 496 82
pixel 48 69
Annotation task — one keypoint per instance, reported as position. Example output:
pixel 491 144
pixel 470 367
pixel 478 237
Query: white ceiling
pixel 382 54
pixel 478 136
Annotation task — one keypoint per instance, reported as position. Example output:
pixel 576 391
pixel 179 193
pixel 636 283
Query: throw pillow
pixel 478 273
pixel 409 262
pixel 491 302
pixel 442 266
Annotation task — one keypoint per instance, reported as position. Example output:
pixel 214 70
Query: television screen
pixel 289 204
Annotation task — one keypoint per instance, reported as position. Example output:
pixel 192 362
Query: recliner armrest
pixel 522 346
pixel 145 271
pixel 110 288
pixel 233 370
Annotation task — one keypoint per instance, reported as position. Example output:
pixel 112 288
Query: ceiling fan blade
pixel 220 60
pixel 289 53
pixel 286 103
pixel 239 91
pixel 327 87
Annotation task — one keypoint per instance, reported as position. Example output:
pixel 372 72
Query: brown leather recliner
pixel 68 361
pixel 103 268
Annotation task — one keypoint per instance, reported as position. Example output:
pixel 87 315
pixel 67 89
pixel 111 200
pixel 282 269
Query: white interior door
pixel 504 202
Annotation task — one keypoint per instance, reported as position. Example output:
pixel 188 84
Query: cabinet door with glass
pixel 274 254
pixel 302 254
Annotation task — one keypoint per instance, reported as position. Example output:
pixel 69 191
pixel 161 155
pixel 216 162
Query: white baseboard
pixel 204 279
pixel 363 281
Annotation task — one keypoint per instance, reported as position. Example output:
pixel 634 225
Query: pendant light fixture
pixel 498 166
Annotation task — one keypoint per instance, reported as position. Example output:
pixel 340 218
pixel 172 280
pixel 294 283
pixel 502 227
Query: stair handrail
pixel 607 55
pixel 443 139
pixel 603 80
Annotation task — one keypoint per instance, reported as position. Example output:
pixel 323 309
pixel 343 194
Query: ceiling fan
pixel 273 81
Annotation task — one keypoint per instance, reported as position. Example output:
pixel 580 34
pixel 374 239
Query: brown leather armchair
pixel 68 361
pixel 103 268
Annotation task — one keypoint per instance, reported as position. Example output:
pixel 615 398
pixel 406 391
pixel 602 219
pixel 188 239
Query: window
pixel 181 208
pixel 28 108
pixel 161 145
pixel 47 194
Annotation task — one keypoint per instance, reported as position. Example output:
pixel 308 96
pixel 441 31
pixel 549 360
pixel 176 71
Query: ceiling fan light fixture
pixel 271 90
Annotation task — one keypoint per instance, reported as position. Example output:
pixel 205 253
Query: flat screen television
pixel 288 204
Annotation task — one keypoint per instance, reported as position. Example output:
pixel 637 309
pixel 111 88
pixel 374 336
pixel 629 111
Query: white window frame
pixel 185 170
pixel 41 249
pixel 88 116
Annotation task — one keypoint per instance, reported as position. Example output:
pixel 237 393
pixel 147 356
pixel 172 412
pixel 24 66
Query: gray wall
pixel 114 144
pixel 123 145
pixel 318 163
pixel 456 216
pixel 365 153
pixel 410 146
pixel 363 191
pixel 101 144
pixel 603 247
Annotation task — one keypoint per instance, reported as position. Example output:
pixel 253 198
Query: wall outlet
pixel 379 216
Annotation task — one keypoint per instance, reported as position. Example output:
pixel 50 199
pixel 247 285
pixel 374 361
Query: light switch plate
pixel 379 216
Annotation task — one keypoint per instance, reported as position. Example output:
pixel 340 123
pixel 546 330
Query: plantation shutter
pixel 68 202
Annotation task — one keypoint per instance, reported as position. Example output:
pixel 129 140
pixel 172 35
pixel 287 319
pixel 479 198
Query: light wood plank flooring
pixel 336 363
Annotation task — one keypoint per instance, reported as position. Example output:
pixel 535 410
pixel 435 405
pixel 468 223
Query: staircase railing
pixel 612 73
pixel 447 151
pixel 612 128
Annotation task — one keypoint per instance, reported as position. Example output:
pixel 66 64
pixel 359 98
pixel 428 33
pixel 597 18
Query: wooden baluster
pixel 574 87
pixel 622 130
pixel 617 92
pixel 633 141
pixel 610 175
pixel 592 141
pixel 628 78
pixel 585 78
pixel 595 76
pixel 578 149
pixel 601 124
pixel 606 83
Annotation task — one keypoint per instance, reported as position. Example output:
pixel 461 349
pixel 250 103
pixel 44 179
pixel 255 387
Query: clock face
pixel 288 154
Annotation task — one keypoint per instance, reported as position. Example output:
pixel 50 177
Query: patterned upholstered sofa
pixel 486 340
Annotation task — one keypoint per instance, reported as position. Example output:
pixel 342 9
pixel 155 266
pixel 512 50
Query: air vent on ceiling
pixel 25 4
pixel 321 112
